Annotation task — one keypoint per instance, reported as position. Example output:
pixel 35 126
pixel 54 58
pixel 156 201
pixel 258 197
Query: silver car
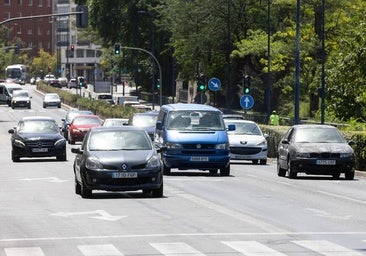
pixel 247 142
pixel 51 100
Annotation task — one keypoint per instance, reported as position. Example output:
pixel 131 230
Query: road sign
pixel 246 101
pixel 214 84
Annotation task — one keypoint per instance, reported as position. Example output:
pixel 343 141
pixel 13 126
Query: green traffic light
pixel 201 87
pixel 246 90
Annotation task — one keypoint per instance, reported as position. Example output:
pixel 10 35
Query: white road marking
pixel 176 249
pixel 252 248
pixel 24 251
pixel 327 248
pixel 343 197
pixel 99 250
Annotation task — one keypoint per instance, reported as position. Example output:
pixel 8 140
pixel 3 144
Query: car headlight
pixel 346 155
pixel 223 146
pixel 302 155
pixel 153 162
pixel 262 143
pixel 93 163
pixel 60 142
pixel 19 143
pixel 170 145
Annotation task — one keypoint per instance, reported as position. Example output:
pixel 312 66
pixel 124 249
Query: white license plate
pixel 325 162
pixel 199 158
pixel 119 175
pixel 39 150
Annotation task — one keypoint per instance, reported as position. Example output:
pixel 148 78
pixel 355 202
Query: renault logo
pixel 198 146
pixel 124 167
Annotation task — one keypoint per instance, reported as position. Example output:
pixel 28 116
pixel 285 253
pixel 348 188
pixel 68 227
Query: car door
pixel 283 147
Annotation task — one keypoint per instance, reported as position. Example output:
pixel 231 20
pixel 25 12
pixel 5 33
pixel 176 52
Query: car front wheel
pixel 280 171
pixel 349 175
pixel 225 171
pixel 158 192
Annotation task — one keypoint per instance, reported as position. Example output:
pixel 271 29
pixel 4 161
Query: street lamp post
pixel 153 53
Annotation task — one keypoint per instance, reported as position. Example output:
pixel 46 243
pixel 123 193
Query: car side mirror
pixel 159 125
pixel 285 141
pixel 231 127
pixel 76 151
pixel 351 143
pixel 11 131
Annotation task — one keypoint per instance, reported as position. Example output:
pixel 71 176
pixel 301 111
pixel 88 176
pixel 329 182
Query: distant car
pixel 34 80
pixel 51 100
pixel 107 97
pixel 68 118
pixel 55 83
pixel 232 116
pixel 315 149
pixel 73 83
pixel 146 120
pixel 21 98
pixel 63 81
pixel 80 125
pixel 49 79
pixel 37 136
pixel 247 142
pixel 117 159
pixel 115 122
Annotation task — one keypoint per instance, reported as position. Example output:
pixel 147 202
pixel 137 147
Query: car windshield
pixel 71 115
pixel 38 126
pixel 144 120
pixel 245 128
pixel 86 120
pixel 20 94
pixel 51 96
pixel 119 140
pixel 318 135
pixel 195 120
pixel 115 122
pixel 12 90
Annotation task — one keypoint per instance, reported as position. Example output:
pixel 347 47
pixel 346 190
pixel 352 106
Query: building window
pixel 90 53
pixel 30 2
pixel 6 2
pixel 40 46
pixel 30 31
pixel 19 2
pixel 80 53
pixel 39 31
pixel 40 3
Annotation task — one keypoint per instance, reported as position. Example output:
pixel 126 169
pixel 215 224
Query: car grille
pixel 245 150
pixel 39 143
pixel 325 155
pixel 202 146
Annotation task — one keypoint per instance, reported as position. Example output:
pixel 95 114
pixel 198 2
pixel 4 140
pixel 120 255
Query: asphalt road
pixel 252 212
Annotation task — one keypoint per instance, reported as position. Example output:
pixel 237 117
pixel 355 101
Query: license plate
pixel 199 158
pixel 39 150
pixel 119 175
pixel 325 162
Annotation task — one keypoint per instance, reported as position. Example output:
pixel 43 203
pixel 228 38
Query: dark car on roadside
pixel 117 159
pixel 68 118
pixel 37 136
pixel 145 120
pixel 315 149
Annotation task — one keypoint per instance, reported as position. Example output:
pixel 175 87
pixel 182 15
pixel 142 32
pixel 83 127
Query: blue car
pixel 195 137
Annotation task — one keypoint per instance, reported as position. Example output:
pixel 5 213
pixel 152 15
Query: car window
pixel 86 120
pixel 119 140
pixel 195 120
pixel 245 128
pixel 316 135
pixel 144 120
pixel 38 126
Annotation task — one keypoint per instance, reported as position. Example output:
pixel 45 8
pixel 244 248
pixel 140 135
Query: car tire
pixel 158 192
pixel 291 173
pixel 44 106
pixel 336 175
pixel 167 170
pixel 77 187
pixel 214 171
pixel 280 171
pixel 59 106
pixel 84 191
pixel 263 161
pixel 225 171
pixel 71 142
pixel 62 157
pixel 15 158
pixel 349 175
pixel 255 161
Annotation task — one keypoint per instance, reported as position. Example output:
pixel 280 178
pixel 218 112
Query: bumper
pixel 77 136
pixel 202 162
pixel 310 166
pixel 38 152
pixel 244 153
pixel 102 180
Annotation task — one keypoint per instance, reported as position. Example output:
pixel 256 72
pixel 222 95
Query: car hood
pixel 323 147
pixel 118 157
pixel 20 98
pixel 38 136
pixel 247 140
pixel 84 126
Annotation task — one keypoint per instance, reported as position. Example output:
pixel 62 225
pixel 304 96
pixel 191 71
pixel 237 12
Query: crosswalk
pixel 248 248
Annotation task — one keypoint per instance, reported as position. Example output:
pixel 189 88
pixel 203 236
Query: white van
pixel 6 92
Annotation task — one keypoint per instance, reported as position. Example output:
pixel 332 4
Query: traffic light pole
pixel 39 16
pixel 157 62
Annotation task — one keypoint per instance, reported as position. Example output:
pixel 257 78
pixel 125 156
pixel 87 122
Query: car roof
pixel 118 128
pixel 147 113
pixel 190 106
pixel 307 126
pixel 39 118
pixel 231 120
pixel 88 116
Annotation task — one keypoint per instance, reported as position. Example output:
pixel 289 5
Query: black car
pixel 68 119
pixel 315 149
pixel 37 136
pixel 117 159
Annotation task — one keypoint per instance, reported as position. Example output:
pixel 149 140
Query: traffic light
pixel 201 83
pixel 81 82
pixel 82 18
pixel 117 49
pixel 247 84
pixel 17 49
pixel 72 47
pixel 158 84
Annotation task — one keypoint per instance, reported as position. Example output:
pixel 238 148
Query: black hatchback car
pixel 117 159
pixel 315 149
pixel 37 136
